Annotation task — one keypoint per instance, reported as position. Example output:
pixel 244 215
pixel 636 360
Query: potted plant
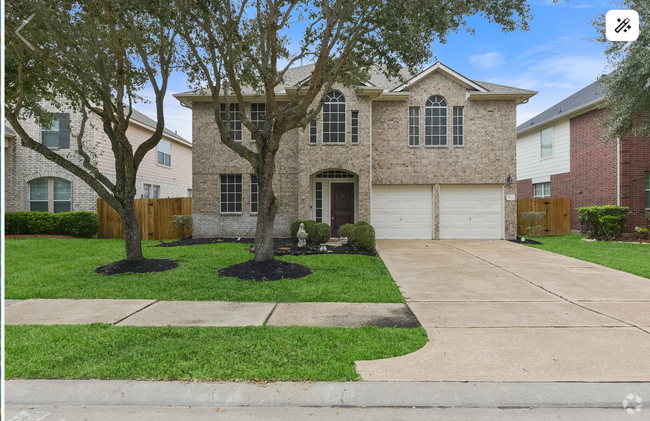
pixel 641 233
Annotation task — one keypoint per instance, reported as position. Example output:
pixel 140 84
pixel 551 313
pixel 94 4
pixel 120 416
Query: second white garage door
pixel 471 212
pixel 402 212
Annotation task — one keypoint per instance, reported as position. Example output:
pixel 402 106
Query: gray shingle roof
pixel 143 119
pixel 9 131
pixel 589 94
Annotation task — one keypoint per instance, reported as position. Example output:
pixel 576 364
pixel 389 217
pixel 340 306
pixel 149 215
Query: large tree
pixel 92 57
pixel 237 44
pixel 628 85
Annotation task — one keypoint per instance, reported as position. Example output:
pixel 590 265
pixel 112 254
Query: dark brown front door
pixel 342 205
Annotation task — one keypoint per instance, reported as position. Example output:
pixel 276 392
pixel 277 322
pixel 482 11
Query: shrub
pixel 533 222
pixel 347 230
pixel 358 224
pixel 322 233
pixel 182 224
pixel 364 237
pixel 641 230
pixel 309 227
pixel 603 220
pixel 76 224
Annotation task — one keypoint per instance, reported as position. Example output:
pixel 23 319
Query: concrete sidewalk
pixel 208 313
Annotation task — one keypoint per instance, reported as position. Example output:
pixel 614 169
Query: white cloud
pixel 487 60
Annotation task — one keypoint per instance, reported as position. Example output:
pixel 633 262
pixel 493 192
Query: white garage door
pixel 402 212
pixel 471 212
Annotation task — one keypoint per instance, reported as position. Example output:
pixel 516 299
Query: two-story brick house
pixel 432 158
pixel 34 183
pixel 561 153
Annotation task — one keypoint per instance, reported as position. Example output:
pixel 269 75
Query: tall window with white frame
pixel 542 190
pixel 334 118
pixel 546 143
pixel 435 121
pixel 258 116
pixel 231 193
pixel 38 195
pixel 647 190
pixel 313 133
pixel 414 126
pixel 459 122
pixel 354 126
pixel 254 194
pixel 235 122
pixel 146 191
pixel 319 201
pixel 165 153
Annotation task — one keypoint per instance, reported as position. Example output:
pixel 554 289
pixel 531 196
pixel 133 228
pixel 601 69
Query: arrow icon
pixel 21 27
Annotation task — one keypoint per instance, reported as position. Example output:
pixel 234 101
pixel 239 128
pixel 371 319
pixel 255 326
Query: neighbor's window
pixel 165 153
pixel 235 122
pixel 231 196
pixel 414 126
pixel 542 190
pixel 546 141
pixel 155 192
pixel 334 118
pixel 647 190
pixel 50 194
pixel 459 120
pixel 254 193
pixel 258 116
pixel 146 191
pixel 189 192
pixel 56 134
pixel 354 126
pixel 312 131
pixel 435 121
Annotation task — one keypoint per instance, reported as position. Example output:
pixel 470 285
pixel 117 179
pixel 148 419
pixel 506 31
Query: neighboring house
pixel 34 183
pixel 561 153
pixel 432 158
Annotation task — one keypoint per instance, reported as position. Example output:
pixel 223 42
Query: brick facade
pixel 488 157
pixel 635 162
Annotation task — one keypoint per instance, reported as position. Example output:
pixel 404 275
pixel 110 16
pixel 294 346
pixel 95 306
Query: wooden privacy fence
pixel 558 215
pixel 154 217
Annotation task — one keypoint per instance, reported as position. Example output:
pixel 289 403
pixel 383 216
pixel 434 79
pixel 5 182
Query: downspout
pixel 618 171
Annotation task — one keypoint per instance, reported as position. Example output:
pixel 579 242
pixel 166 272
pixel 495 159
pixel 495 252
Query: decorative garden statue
pixel 302 236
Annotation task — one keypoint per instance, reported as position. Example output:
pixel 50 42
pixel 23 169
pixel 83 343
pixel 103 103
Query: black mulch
pixel 142 266
pixel 281 246
pixel 519 240
pixel 272 270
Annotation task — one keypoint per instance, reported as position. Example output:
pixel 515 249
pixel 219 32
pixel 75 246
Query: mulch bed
pixel 272 270
pixel 142 266
pixel 289 246
pixel 18 237
pixel 519 240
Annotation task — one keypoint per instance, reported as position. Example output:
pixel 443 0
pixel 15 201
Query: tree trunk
pixel 267 209
pixel 131 233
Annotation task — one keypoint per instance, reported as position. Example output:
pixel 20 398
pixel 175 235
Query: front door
pixel 342 205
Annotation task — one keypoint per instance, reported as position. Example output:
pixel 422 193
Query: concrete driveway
pixel 499 311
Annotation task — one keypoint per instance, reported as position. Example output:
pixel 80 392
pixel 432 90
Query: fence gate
pixel 154 217
pixel 558 215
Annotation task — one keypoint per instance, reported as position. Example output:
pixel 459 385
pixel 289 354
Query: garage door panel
pixel 471 212
pixel 402 212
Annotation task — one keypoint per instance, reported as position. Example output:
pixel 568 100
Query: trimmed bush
pixel 182 224
pixel 309 227
pixel 347 230
pixel 533 223
pixel 358 224
pixel 75 224
pixel 603 220
pixel 322 233
pixel 364 237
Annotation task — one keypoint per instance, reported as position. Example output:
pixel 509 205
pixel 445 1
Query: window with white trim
pixel 190 192
pixel 435 121
pixel 165 153
pixel 155 192
pixel 50 134
pixel 231 194
pixel 235 122
pixel 542 190
pixel 647 190
pixel 354 126
pixel 50 194
pixel 313 134
pixel 459 130
pixel 254 194
pixel 38 195
pixel 258 116
pixel 62 195
pixel 334 118
pixel 546 142
pixel 414 126
pixel 146 191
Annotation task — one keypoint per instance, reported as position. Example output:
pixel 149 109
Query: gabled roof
pixel 380 82
pixel 151 123
pixel 584 99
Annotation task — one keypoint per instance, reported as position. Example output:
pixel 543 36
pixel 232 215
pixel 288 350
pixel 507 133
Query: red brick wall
pixel 635 161
pixel 524 189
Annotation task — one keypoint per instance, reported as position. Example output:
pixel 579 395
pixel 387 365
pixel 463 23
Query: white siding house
pixel 531 164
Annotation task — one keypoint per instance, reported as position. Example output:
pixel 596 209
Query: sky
pixel 555 57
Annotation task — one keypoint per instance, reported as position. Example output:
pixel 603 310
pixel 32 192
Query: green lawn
pixel 632 258
pixel 64 268
pixel 203 353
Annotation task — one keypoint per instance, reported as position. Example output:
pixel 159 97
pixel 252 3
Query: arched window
pixel 50 194
pixel 334 118
pixel 435 121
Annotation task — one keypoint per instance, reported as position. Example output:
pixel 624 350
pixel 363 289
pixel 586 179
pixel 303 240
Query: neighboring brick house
pixel 433 158
pixel 561 153
pixel 34 183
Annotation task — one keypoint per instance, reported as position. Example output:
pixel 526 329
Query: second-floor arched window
pixel 334 118
pixel 435 121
